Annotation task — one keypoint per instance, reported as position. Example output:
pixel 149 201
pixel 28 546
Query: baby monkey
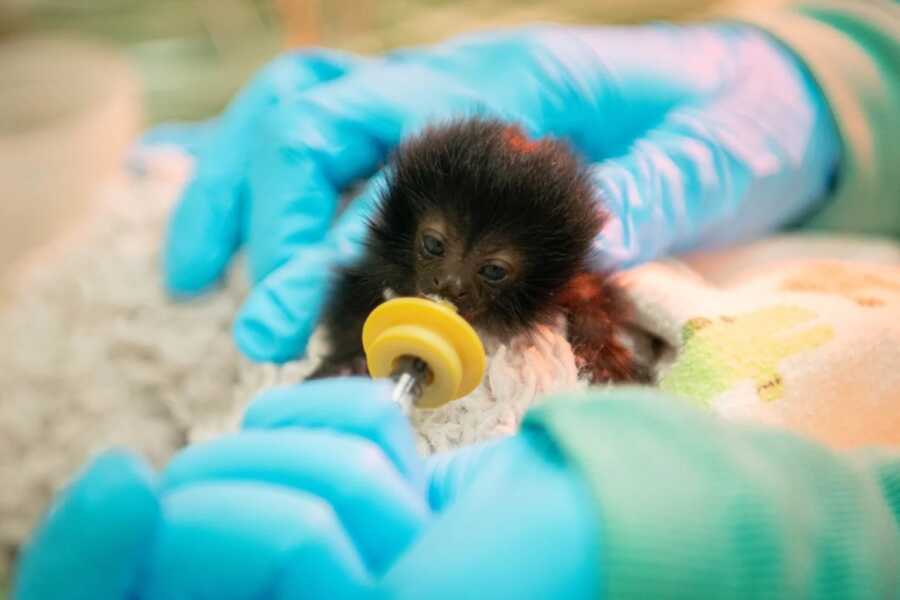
pixel 498 224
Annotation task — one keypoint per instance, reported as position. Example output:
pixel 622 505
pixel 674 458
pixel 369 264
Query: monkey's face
pixel 472 274
pixel 478 214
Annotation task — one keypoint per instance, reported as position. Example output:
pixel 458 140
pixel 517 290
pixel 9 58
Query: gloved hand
pixel 317 498
pixel 274 513
pixel 514 520
pixel 702 135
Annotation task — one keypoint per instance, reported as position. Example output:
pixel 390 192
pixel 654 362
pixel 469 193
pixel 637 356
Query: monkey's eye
pixel 432 245
pixel 493 272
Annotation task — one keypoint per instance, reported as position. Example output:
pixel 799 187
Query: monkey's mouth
pixel 438 298
pixel 466 313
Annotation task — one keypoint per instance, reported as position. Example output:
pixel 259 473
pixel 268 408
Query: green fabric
pixel 694 507
pixel 852 48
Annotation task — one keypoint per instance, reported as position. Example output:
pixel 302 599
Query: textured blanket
pixel 797 332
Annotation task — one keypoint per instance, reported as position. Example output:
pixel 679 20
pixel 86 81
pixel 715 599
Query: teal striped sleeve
pixel 694 507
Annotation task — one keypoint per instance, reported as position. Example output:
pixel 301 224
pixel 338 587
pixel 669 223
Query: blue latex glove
pixel 513 519
pixel 701 135
pixel 317 498
pixel 268 513
pixel 516 521
pixel 92 541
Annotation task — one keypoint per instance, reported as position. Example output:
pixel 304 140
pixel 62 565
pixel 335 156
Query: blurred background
pixel 82 78
pixel 191 55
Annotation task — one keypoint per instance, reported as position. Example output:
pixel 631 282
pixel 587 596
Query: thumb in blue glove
pixel 279 316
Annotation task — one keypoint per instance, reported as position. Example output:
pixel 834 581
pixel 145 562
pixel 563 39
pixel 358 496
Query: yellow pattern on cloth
pixel 799 331
pixel 717 353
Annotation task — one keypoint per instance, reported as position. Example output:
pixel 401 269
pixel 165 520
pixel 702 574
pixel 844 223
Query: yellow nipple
pixel 433 332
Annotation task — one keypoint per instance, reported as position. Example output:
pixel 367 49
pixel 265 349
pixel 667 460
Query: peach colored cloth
pixel 797 331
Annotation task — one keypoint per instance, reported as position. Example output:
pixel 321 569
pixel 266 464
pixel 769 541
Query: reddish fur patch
pixel 595 317
pixel 581 289
pixel 517 141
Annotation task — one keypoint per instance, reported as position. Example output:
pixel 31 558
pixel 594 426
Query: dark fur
pixel 490 182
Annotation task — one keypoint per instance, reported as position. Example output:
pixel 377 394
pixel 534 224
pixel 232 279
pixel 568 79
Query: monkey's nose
pixel 450 288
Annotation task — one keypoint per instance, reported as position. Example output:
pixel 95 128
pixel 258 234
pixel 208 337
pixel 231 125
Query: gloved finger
pixel 692 173
pixel 91 542
pixel 278 318
pixel 237 539
pixel 525 528
pixel 281 313
pixel 205 228
pixel 380 510
pixel 354 405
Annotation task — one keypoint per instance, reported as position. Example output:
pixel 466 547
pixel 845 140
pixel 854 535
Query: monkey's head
pixel 477 213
